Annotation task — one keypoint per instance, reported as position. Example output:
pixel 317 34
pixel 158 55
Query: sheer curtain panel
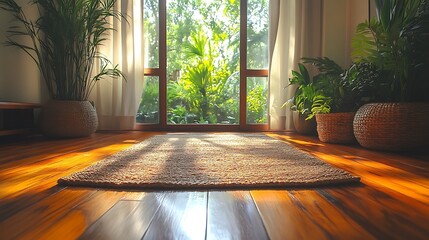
pixel 295 32
pixel 117 100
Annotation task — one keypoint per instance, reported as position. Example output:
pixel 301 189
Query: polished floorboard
pixel 391 202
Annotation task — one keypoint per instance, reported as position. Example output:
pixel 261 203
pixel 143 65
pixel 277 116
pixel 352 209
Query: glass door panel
pixel 203 62
pixel 151 33
pixel 257 34
pixel 148 111
pixel 257 100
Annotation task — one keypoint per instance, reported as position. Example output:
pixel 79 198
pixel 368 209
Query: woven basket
pixel 336 127
pixel 66 119
pixel 392 126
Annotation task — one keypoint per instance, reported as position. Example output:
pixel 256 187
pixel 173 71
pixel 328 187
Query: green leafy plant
pixel 331 94
pixel 178 115
pixel 321 94
pixel 395 43
pixel 207 88
pixel 366 82
pixel 64 42
pixel 335 89
pixel 304 100
pixel 321 105
pixel 148 111
pixel 255 102
pixel 305 92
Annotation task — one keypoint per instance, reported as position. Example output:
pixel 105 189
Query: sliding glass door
pixel 205 65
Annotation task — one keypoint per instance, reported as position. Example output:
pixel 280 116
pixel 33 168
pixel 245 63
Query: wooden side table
pixel 17 118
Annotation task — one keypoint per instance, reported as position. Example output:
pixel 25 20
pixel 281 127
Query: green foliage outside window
pixel 202 63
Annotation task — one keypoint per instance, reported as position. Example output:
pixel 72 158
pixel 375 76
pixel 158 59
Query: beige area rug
pixel 204 160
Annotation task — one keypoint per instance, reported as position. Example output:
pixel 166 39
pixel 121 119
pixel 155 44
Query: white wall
pixel 340 20
pixel 334 30
pixel 20 79
pixel 357 13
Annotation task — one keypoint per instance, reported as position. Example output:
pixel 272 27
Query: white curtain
pixel 117 100
pixel 295 32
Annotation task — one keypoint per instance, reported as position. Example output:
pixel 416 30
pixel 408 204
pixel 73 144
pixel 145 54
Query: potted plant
pixel 302 101
pixel 394 45
pixel 63 42
pixel 335 102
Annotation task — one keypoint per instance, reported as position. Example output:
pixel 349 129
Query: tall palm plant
pixel 395 42
pixel 65 39
pixel 199 74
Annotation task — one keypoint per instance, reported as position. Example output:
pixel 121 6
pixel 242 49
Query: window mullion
pixel 243 63
pixel 163 62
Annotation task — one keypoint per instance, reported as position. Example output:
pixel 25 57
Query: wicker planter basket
pixel 392 126
pixel 336 127
pixel 66 119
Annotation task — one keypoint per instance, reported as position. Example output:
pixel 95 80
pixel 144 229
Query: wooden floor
pixel 392 201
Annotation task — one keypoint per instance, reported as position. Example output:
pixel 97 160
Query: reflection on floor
pixel 392 201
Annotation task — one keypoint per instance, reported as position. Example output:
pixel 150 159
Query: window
pixel 199 71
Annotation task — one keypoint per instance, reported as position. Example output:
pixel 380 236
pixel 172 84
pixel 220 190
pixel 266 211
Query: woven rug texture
pixel 209 160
